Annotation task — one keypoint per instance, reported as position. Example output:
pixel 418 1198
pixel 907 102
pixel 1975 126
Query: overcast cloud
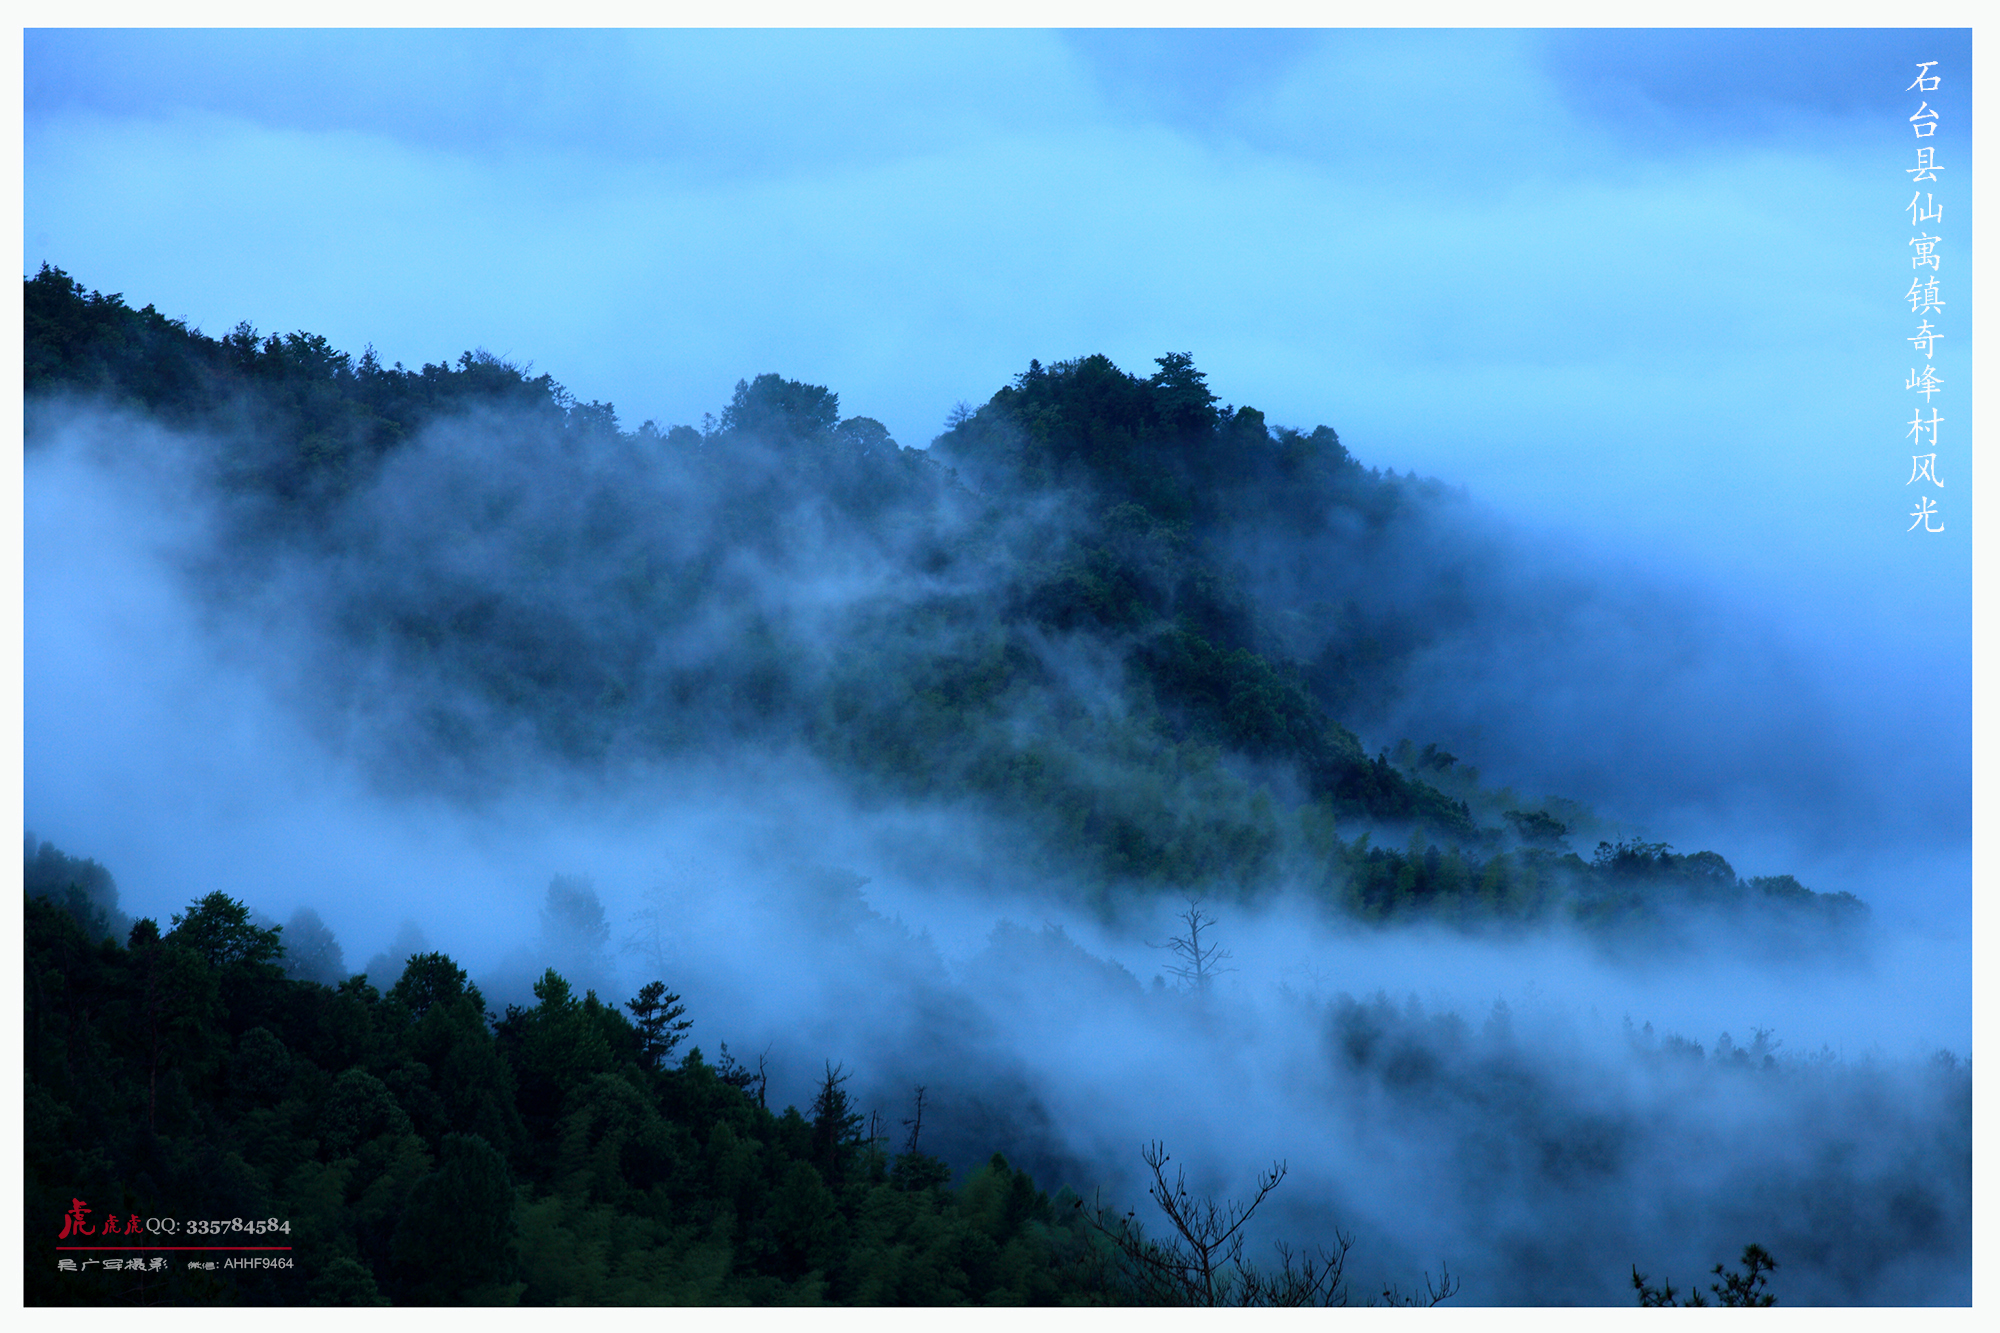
pixel 1639 290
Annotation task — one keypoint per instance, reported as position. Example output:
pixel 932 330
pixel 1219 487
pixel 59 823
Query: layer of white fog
pixel 1522 1107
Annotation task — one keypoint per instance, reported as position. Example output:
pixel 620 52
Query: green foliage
pixel 83 888
pixel 836 1128
pixel 1538 828
pixel 324 420
pixel 85 340
pixel 311 952
pixel 774 405
pixel 431 978
pixel 454 1244
pixel 1080 515
pixel 218 928
pixel 425 1155
pixel 662 1022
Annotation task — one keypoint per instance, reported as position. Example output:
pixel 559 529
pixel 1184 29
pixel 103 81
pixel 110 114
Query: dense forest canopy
pixel 1131 627
pixel 538 578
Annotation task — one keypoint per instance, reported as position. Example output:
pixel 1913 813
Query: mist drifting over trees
pixel 1119 768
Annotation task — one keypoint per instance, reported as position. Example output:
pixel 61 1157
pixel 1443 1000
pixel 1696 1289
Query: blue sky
pixel 1641 290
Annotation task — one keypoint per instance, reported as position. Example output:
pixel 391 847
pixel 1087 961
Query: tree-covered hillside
pixel 408 1145
pixel 1048 617
pixel 418 1149
pixel 1105 650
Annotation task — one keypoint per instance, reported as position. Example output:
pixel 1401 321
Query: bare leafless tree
pixel 1432 1294
pixel 662 921
pixel 1202 1263
pixel 1201 962
pixel 740 1076
pixel 916 1122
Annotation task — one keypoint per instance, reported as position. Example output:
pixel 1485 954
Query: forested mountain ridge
pixel 1120 624
pixel 1048 616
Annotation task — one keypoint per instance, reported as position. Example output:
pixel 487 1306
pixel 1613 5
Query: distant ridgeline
pixel 1100 607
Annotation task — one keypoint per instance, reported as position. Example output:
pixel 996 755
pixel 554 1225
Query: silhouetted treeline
pixel 425 1151
pixel 82 887
pixel 320 418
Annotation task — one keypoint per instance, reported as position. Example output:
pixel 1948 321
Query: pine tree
pixel 661 1021
pixel 836 1127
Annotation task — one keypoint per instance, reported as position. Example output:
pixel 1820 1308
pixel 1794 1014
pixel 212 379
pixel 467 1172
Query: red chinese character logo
pixel 73 1223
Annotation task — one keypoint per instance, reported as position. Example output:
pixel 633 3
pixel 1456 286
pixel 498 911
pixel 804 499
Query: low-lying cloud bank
pixel 1524 1107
